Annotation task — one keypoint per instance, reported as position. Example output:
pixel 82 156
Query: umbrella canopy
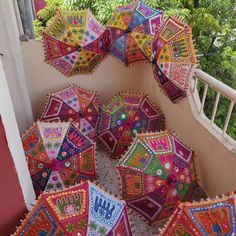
pixel 82 210
pixel 215 217
pixel 156 172
pixel 125 115
pixel 74 104
pixel 131 30
pixel 58 155
pixel 174 58
pixel 74 42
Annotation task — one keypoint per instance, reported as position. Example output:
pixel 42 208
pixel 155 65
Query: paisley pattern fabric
pixel 74 104
pixel 58 155
pixel 84 210
pixel 123 117
pixel 74 42
pixel 210 217
pixel 156 172
pixel 174 58
pixel 130 32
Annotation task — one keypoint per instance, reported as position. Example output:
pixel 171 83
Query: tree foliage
pixel 214 30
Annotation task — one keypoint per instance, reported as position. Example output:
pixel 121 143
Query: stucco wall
pixel 216 166
pixel 110 77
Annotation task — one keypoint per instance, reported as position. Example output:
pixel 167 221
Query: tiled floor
pixel 108 178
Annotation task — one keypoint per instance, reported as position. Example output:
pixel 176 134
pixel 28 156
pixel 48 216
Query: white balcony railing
pixel 221 90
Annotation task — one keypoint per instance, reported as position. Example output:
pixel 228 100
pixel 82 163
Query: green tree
pixel 214 29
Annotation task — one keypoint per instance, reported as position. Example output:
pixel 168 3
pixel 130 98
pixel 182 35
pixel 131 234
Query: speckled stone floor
pixel 108 178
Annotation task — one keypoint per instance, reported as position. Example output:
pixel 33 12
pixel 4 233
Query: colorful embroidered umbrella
pixel 58 155
pixel 82 210
pixel 215 217
pixel 174 58
pixel 156 172
pixel 76 104
pixel 75 42
pixel 125 115
pixel 131 30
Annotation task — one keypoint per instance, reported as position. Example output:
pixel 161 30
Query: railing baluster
pixel 221 89
pixel 195 84
pixel 231 106
pixel 215 107
pixel 204 98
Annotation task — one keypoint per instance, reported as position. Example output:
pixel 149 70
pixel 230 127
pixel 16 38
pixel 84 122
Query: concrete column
pixel 15 105
pixel 27 17
pixel 13 64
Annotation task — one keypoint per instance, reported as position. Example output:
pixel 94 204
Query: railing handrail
pixel 224 89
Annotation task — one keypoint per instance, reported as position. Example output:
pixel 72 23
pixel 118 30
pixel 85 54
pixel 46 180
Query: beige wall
pixel 216 166
pixel 110 77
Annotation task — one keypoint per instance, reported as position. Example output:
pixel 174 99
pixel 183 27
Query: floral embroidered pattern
pixel 62 156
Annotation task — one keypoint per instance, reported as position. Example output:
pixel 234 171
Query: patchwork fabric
pixel 211 217
pixel 156 173
pixel 173 57
pixel 84 209
pixel 74 42
pixel 123 117
pixel 130 32
pixel 58 155
pixel 74 104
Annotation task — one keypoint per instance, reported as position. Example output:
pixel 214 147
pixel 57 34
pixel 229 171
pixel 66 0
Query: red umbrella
pixel 74 104
pixel 156 172
pixel 82 210
pixel 58 155
pixel 123 117
pixel 174 58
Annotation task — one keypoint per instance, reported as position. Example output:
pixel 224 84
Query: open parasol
pixel 74 104
pixel 58 155
pixel 215 217
pixel 81 210
pixel 174 59
pixel 124 116
pixel 131 30
pixel 74 42
pixel 156 172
